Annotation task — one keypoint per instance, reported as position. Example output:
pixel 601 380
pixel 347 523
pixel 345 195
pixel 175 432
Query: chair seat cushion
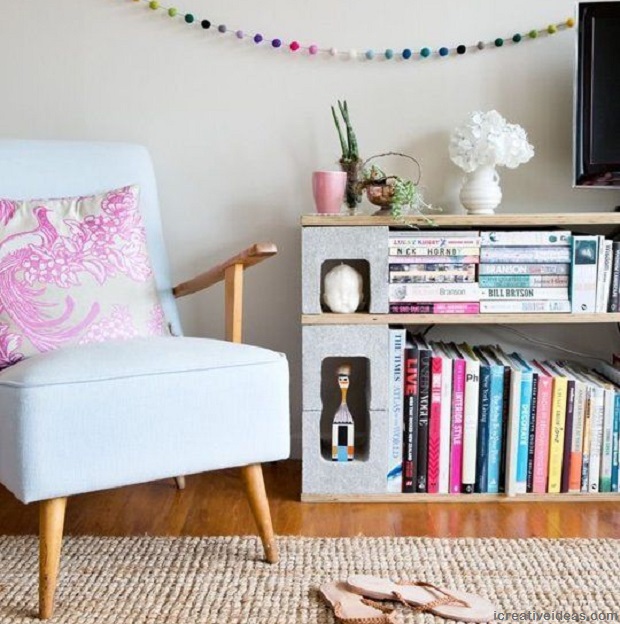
pixel 104 415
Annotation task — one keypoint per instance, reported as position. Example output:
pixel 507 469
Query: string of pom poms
pixel 276 43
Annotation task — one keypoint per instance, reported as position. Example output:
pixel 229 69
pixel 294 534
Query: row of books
pixel 471 272
pixel 468 419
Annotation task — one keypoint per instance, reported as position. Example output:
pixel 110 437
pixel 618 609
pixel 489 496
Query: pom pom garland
pixel 388 54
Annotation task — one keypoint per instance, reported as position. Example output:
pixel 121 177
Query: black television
pixel 597 95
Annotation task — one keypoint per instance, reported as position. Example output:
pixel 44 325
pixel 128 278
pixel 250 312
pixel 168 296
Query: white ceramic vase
pixel 481 193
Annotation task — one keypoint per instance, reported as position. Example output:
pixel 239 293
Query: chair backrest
pixel 52 169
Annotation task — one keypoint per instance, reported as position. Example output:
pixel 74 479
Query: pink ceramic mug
pixel 328 188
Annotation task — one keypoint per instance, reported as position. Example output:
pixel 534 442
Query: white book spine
pixel 519 294
pixel 470 421
pixel 512 438
pixel 608 433
pixel 600 275
pixel 584 274
pixel 435 241
pixel 395 420
pixel 431 293
pixel 521 255
pixel 596 439
pixel 607 273
pixel 446 426
pixel 527 238
pixel 519 307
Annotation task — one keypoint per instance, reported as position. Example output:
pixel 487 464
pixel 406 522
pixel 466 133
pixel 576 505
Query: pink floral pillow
pixel 74 271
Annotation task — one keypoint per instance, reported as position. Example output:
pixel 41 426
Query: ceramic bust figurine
pixel 344 288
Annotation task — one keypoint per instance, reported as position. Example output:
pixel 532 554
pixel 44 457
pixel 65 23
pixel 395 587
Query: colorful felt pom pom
pixel 294 46
pixel 313 49
pixel 407 53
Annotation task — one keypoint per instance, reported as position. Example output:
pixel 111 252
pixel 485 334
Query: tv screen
pixel 597 132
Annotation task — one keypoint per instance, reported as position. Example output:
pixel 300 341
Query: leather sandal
pixel 351 608
pixel 425 598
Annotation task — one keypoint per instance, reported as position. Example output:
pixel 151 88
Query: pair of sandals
pixel 355 601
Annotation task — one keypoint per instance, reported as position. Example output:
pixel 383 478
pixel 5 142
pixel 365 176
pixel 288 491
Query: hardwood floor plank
pixel 215 504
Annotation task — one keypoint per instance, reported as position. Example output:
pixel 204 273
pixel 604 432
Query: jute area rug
pixel 223 581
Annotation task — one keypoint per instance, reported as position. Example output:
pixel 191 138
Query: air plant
pixel 350 159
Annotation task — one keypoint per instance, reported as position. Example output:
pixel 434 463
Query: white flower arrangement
pixel 488 139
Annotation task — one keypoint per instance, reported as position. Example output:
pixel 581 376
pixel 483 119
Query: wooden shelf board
pixel 482 221
pixel 455 319
pixel 460 498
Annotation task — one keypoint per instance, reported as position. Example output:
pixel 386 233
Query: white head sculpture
pixel 344 288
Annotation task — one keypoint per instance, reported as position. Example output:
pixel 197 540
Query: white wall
pixel 235 131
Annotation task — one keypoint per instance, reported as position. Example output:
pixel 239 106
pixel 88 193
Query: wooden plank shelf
pixel 479 221
pixel 460 498
pixel 455 319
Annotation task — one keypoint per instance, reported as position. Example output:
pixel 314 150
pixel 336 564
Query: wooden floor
pixel 214 504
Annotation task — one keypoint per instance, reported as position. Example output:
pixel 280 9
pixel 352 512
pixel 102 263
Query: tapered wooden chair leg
pixel 180 481
pixel 51 523
pixel 257 496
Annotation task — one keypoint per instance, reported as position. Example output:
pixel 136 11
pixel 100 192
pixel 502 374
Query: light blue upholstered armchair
pixel 100 416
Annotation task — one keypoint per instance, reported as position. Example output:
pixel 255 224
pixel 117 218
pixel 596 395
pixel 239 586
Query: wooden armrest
pixel 247 258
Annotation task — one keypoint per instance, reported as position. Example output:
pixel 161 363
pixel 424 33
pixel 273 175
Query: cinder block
pixel 367 341
pixel 320 244
pixel 323 476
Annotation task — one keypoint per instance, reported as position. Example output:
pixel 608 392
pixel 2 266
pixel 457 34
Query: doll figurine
pixel 343 428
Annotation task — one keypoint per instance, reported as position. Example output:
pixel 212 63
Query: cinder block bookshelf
pixel 328 336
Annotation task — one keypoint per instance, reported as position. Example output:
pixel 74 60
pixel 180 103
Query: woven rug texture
pixel 223 581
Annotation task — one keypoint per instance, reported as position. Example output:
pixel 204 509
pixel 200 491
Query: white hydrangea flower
pixel 488 139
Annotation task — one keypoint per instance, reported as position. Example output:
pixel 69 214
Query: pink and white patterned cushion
pixel 74 271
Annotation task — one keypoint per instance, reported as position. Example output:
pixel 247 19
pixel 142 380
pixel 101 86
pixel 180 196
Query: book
pixel 470 418
pixel 521 255
pixel 435 425
pixel 432 268
pixel 396 388
pixel 433 240
pixel 537 294
pixel 432 252
pixel 459 374
pixel 515 238
pixel 495 425
pixel 432 293
pixel 525 408
pixel 435 308
pixel 525 269
pixel 445 434
pixel 424 402
pixel 531 439
pixel 432 278
pixel 481 485
pixel 614 295
pixel 410 417
pixel 420 234
pixel 603 287
pixel 505 419
pixel 568 433
pixel 543 427
pixel 596 438
pixel 587 432
pixel 609 394
pixel 423 260
pixel 558 422
pixel 615 454
pixel 523 281
pixel 585 253
pixel 524 307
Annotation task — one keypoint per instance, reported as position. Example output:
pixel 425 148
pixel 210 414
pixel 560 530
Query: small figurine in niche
pixel 343 428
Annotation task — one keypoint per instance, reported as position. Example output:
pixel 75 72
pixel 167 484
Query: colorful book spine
pixel 528 238
pixel 424 404
pixel 458 414
pixel 523 281
pixel 410 425
pixel 435 308
pixel 423 260
pixel 496 410
pixel 596 439
pixel 432 293
pixel 482 445
pixel 525 269
pixel 434 427
pixel 614 296
pixel 446 424
pixel 543 426
pixel 531 443
pixel 396 389
pixel 607 445
pixel 523 255
pixel 536 294
pixel 524 429
pixel 568 435
pixel 576 456
pixel 587 437
pixel 524 307
pixel 433 268
pixel 512 437
pixel 418 251
pixel 585 252
pixel 558 422
pixel 615 457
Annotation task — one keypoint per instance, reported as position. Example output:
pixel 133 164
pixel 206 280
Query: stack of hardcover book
pixel 477 419
pixel 434 272
pixel 523 272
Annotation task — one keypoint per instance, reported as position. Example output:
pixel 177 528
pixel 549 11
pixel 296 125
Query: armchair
pixel 99 416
